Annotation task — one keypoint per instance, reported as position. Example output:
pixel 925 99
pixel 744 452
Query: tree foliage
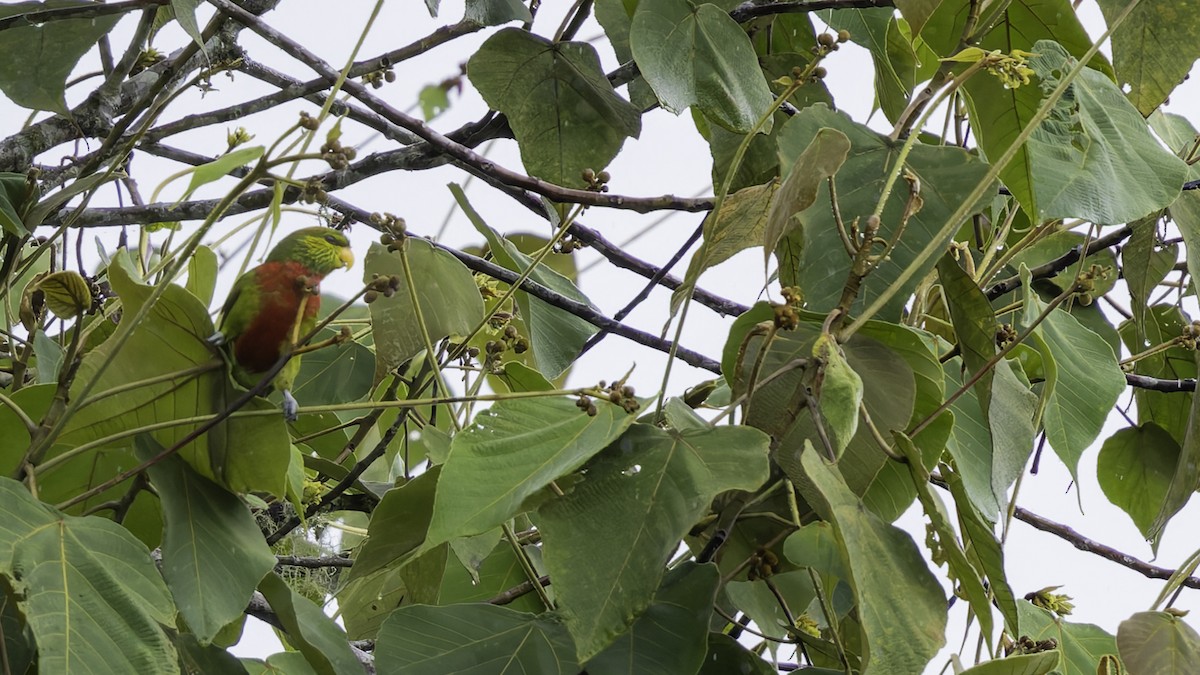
pixel 931 318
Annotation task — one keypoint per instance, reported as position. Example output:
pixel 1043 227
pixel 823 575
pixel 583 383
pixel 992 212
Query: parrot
pixel 258 320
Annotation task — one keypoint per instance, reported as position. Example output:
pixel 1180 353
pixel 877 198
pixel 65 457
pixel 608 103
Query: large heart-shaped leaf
pixel 39 58
pixel 694 54
pixel 512 451
pixel 449 300
pixel 901 606
pixel 213 553
pixel 88 588
pixel 562 109
pixel 1154 48
pixel 636 501
pixel 473 638
pixel 945 175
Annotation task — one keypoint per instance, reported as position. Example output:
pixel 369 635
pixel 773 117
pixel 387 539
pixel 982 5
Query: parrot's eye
pixel 331 239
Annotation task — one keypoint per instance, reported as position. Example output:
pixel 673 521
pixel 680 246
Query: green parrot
pixel 258 321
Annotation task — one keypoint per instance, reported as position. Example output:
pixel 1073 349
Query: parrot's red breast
pixel 258 347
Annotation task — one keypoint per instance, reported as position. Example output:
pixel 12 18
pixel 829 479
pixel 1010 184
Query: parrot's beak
pixel 346 256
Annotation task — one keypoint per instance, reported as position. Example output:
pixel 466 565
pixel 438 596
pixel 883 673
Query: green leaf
pixel 562 110
pixel 1157 642
pixel 760 162
pixel 607 540
pixel 1154 48
pixel 822 158
pixel 762 604
pixel 917 12
pixel 947 175
pixel 738 226
pixel 1041 663
pixel 1169 410
pixel 890 392
pixel 499 572
pixel 185 14
pixel 1135 468
pixel 34 401
pixel 213 552
pixel 901 606
pixel 246 454
pixel 398 526
pixel 16 193
pixel 434 100
pixel 960 569
pixel 1092 140
pixel 974 323
pixel 616 17
pixel 876 30
pixel 336 374
pixel 39 58
pixel 16 288
pixel 984 550
pixel 726 655
pixel 49 356
pixel 1083 379
pixel 88 589
pixel 815 545
pixel 840 394
pixel 220 167
pixel 510 453
pixel 449 299
pixel 473 640
pixel 1144 265
pixel 1000 113
pixel 1185 479
pixel 66 292
pixel 472 551
pixel 1082 644
pixel 669 637
pixel 696 55
pixel 202 274
pixel 518 377
pixel 309 630
pixel 493 12
pixel 556 335
pixel 991 452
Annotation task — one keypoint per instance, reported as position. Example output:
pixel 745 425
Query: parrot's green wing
pixel 237 312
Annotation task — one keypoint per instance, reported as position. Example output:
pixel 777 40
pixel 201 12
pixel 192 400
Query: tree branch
pixel 260 609
pixel 77 12
pixel 1107 552
pixel 1047 270
pixel 474 162
pixel 1159 384
pixel 752 10
pixel 313 563
pixel 523 588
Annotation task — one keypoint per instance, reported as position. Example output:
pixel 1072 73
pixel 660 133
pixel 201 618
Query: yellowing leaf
pixel 67 293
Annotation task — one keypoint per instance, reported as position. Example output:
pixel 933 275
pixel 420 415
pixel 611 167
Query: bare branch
pixel 523 588
pixel 313 563
pixel 476 163
pixel 752 10
pixel 1157 384
pixel 77 12
pixel 1092 546
pixel 1060 263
